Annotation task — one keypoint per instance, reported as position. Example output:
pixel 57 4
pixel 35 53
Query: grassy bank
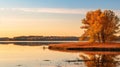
pixel 85 46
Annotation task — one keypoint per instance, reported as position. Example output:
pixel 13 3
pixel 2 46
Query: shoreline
pixel 85 46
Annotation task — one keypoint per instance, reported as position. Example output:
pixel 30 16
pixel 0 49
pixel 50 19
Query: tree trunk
pixel 103 37
pixel 99 40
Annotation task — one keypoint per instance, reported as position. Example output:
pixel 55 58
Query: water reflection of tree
pixel 100 60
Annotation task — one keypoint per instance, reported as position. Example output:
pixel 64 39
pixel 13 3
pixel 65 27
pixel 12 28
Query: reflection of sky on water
pixel 31 56
pixel 36 56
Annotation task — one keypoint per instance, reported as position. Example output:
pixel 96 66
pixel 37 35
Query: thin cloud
pixel 48 10
pixel 54 10
pixel 117 12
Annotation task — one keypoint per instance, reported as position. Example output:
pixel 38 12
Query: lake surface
pixel 32 55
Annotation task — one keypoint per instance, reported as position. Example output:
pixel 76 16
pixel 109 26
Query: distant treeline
pixel 41 38
pixel 46 38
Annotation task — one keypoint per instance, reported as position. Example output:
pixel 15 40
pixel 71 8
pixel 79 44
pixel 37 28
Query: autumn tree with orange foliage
pixel 100 26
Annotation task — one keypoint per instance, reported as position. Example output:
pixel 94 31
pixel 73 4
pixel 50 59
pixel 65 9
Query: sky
pixel 48 17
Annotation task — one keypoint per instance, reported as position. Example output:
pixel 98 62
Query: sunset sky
pixel 48 17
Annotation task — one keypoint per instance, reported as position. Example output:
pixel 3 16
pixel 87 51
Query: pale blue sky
pixel 48 17
pixel 106 4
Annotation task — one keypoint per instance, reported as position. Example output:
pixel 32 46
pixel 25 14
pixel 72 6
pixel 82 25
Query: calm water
pixel 17 55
